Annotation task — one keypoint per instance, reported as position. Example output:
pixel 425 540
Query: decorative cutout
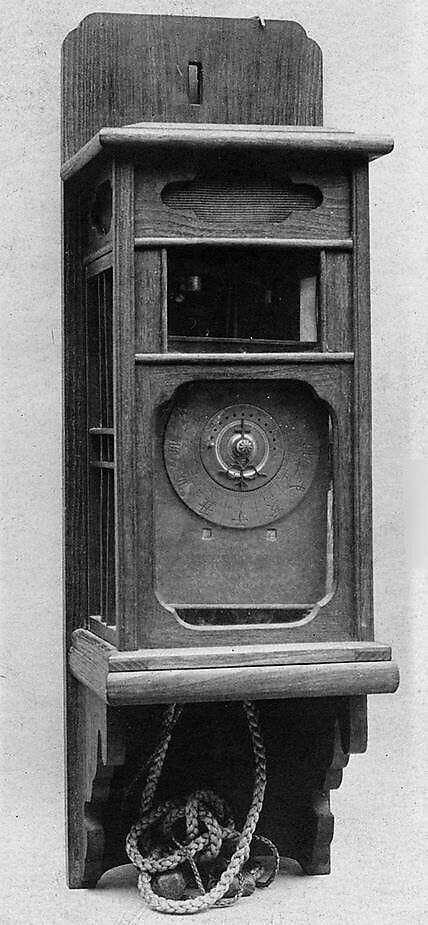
pixel 240 200
pixel 240 616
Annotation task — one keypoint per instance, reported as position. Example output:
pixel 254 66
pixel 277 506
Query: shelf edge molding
pixel 205 136
pixel 244 358
pixel 257 682
pixel 299 670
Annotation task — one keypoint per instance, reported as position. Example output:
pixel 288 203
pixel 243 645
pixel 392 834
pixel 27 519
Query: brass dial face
pixel 241 447
pixel 241 464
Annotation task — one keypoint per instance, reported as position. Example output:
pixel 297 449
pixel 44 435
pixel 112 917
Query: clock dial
pixel 241 447
pixel 240 464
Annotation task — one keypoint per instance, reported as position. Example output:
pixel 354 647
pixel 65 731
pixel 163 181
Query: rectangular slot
pixel 194 82
pixel 240 300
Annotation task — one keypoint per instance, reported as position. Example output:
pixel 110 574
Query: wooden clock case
pixel 217 422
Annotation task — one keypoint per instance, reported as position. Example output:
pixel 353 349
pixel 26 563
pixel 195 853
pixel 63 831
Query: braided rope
pixel 203 805
pixel 262 884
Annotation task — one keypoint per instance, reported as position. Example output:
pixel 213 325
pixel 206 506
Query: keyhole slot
pixel 194 82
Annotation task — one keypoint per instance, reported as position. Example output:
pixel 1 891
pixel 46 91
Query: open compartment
pixel 236 299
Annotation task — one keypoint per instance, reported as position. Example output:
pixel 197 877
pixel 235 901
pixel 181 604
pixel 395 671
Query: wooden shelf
pixel 265 682
pixel 183 344
pixel 280 138
pixel 245 358
pixel 159 241
pixel 240 672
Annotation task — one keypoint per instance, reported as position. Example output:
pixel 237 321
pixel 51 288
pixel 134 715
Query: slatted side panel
pixel 102 591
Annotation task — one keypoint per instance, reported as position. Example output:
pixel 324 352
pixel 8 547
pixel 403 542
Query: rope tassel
pixel 209 827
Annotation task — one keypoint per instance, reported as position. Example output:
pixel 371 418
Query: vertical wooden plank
pixel 151 336
pixel 148 301
pixel 322 323
pixel 343 515
pixel 145 430
pixel 75 423
pixel 357 743
pixel 124 398
pixel 75 499
pixel 338 299
pixel 362 404
pixel 164 300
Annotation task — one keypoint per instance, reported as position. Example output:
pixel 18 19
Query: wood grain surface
pixel 75 509
pixel 332 147
pixel 336 288
pixel 330 219
pixel 158 625
pixel 75 429
pixel 362 399
pixel 97 750
pixel 244 359
pixel 124 398
pixel 148 299
pixel 296 671
pixel 259 683
pixel 231 656
pixel 106 657
pixel 144 62
pixel 259 99
pixel 289 243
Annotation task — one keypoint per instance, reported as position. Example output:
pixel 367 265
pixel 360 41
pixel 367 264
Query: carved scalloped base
pixel 315 854
pixel 95 749
pixel 308 742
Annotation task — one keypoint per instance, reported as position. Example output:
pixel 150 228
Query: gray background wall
pixel 374 81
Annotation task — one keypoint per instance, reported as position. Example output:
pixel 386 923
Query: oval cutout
pixel 243 200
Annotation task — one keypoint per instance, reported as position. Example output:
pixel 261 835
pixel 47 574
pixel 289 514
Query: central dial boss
pixel 241 447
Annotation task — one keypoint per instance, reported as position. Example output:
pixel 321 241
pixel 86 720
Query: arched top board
pixel 122 68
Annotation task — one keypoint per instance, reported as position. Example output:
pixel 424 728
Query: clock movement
pixel 217 421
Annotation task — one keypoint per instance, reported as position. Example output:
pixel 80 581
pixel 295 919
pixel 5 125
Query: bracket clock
pixel 217 421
